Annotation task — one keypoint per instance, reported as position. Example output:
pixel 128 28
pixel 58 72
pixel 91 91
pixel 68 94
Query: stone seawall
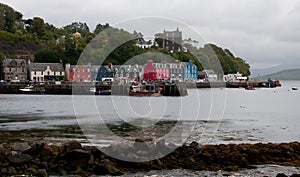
pixel 84 89
pixel 42 159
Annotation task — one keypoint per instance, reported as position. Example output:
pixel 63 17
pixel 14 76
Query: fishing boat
pixel 95 91
pixel 144 90
pixel 32 90
pixel 250 88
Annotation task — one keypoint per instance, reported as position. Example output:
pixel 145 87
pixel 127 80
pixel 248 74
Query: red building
pixel 163 73
pixel 80 74
pixel 150 71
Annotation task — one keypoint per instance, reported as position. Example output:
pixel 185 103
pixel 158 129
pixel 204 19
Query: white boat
pixel 32 89
pixel 93 90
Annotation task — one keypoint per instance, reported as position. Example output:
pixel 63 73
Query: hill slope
pixel 290 74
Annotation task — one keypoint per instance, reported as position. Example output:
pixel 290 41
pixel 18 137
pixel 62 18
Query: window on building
pixel 42 72
pixel 48 72
pixel 34 72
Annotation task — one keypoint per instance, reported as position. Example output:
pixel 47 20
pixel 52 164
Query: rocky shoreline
pixel 42 159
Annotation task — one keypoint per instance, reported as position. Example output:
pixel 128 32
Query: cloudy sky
pixel 263 32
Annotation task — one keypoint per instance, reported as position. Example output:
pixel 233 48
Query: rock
pixel 231 168
pixel 143 140
pixel 4 170
pixel 46 151
pixel 19 158
pixel 71 146
pixel 32 170
pixel 76 154
pixel 77 158
pixel 12 171
pixel 35 148
pixel 22 147
pixel 91 160
pixel 42 172
pixel 2 157
pixel 107 167
pixel 194 144
pixel 281 175
pixel 52 165
pixel 295 175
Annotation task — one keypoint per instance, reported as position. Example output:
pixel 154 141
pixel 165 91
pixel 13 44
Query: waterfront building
pixel 42 72
pixel 150 71
pixel 128 72
pixel 172 40
pixel 162 70
pixel 14 69
pixel 209 75
pixel 190 71
pixel 80 73
pixel 105 73
pixel 177 71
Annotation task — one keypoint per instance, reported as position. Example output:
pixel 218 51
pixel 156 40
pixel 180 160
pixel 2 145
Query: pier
pixel 256 84
pixel 83 88
pixel 175 89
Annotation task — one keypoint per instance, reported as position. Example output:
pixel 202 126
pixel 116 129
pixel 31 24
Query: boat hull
pixel 144 94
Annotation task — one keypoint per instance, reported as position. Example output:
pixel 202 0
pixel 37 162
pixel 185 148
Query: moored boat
pixel 294 88
pixel 95 91
pixel 32 90
pixel 250 88
pixel 144 90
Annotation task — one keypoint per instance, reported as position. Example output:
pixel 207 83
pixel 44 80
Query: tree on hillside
pixel 79 27
pixel 159 39
pixel 47 56
pixel 38 26
pixel 8 18
pixel 100 28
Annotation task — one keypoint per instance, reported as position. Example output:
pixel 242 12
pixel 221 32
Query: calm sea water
pixel 208 116
pixel 213 116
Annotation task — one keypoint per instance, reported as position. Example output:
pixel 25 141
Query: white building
pixel 210 75
pixel 42 72
pixel 145 44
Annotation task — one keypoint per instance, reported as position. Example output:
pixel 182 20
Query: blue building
pixel 190 72
pixel 104 72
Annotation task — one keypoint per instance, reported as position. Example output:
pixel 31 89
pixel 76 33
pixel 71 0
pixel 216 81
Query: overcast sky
pixel 265 33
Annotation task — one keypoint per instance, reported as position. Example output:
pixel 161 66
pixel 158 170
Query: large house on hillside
pixel 172 40
pixel 14 69
pixel 42 72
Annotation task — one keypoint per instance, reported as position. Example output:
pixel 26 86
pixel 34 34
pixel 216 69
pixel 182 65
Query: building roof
pixel 10 62
pixel 74 67
pixel 142 42
pixel 43 66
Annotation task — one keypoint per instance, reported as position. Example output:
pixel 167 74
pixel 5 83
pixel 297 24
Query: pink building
pixel 150 71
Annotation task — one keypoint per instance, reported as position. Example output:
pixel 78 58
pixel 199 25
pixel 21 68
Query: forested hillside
pixel 47 43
